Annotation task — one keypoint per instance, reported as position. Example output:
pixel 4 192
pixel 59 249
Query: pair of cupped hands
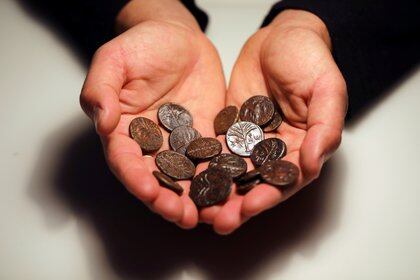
pixel 162 56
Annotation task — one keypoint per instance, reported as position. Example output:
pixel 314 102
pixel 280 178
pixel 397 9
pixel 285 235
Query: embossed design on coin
pixel 233 164
pixel 274 123
pixel 175 165
pixel 204 148
pixel 225 119
pixel 247 186
pixel 268 149
pixel 258 109
pixel 181 137
pixel 147 134
pixel 173 115
pixel 210 187
pixel 242 137
pixel 279 172
pixel 166 182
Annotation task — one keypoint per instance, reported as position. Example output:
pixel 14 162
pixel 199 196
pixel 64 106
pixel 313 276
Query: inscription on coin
pixel 274 123
pixel 173 115
pixel 268 149
pixel 233 164
pixel 175 165
pixel 258 109
pixel 181 137
pixel 204 148
pixel 147 134
pixel 225 119
pixel 166 182
pixel 242 137
pixel 210 187
pixel 279 172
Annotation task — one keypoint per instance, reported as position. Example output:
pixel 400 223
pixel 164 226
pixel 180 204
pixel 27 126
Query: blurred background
pixel 64 216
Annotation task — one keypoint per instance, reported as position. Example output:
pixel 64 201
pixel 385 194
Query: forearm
pixel 171 11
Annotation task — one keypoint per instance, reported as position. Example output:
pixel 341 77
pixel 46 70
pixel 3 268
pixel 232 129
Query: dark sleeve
pixel 375 43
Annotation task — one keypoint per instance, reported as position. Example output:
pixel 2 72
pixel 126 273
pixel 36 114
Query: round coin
pixel 225 119
pixel 247 186
pixel 181 137
pixel 147 134
pixel 204 148
pixel 210 187
pixel 166 182
pixel 233 164
pixel 274 123
pixel 279 172
pixel 247 177
pixel 173 115
pixel 242 137
pixel 175 165
pixel 258 109
pixel 268 149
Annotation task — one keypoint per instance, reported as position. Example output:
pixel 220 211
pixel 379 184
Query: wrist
pixel 168 11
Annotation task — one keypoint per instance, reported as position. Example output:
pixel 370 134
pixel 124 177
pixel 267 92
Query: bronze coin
pixel 204 148
pixel 279 172
pixel 181 137
pixel 225 119
pixel 268 149
pixel 210 187
pixel 173 115
pixel 166 182
pixel 175 165
pixel 247 186
pixel 233 164
pixel 274 123
pixel 249 176
pixel 258 109
pixel 147 134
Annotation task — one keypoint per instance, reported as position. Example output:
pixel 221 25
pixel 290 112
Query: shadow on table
pixel 141 245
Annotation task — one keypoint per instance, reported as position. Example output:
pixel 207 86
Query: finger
pixel 229 217
pixel 169 205
pixel 326 113
pixel 190 216
pixel 99 97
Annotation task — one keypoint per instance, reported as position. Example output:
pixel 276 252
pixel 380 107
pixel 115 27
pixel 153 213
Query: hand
pixel 289 60
pixel 153 62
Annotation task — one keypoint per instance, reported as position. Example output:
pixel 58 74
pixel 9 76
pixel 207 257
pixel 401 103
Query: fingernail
pixel 96 116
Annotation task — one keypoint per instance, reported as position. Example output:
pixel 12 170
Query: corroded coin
pixel 175 165
pixel 247 186
pixel 166 182
pixel 268 149
pixel 210 187
pixel 242 137
pixel 233 164
pixel 279 172
pixel 147 134
pixel 173 115
pixel 249 176
pixel 181 137
pixel 204 148
pixel 258 109
pixel 225 119
pixel 274 123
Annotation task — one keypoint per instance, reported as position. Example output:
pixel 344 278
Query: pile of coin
pixel 244 130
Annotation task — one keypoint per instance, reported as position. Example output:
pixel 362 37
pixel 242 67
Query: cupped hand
pixel 149 64
pixel 290 60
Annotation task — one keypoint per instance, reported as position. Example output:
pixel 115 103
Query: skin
pixel 161 56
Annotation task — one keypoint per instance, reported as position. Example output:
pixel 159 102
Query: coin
pixel 258 109
pixel 210 187
pixel 173 115
pixel 204 148
pixel 247 186
pixel 274 123
pixel 175 165
pixel 242 137
pixel 249 176
pixel 233 164
pixel 268 149
pixel 166 182
pixel 225 119
pixel 279 172
pixel 181 137
pixel 147 134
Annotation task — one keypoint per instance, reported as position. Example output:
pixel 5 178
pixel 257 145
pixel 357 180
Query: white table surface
pixel 63 216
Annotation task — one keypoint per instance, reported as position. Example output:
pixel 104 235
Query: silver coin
pixel 181 137
pixel 172 115
pixel 242 137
